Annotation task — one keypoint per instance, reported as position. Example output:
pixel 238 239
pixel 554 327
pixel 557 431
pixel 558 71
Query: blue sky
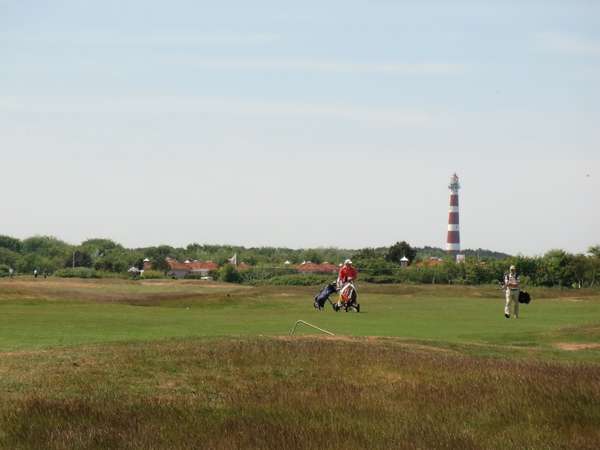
pixel 314 124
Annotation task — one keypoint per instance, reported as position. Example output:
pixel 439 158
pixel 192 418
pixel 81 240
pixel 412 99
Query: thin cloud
pixel 90 38
pixel 209 105
pixel 329 66
pixel 568 43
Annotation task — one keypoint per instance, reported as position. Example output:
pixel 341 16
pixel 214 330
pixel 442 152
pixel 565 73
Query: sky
pixel 312 124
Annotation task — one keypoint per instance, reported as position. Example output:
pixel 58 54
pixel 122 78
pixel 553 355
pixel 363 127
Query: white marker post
pixel 293 330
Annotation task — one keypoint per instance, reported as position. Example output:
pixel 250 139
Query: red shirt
pixel 347 273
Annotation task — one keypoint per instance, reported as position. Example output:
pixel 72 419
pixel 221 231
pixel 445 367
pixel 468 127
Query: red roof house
pixel 181 269
pixel 309 267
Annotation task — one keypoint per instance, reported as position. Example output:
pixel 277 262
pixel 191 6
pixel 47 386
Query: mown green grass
pixel 64 313
pixel 177 365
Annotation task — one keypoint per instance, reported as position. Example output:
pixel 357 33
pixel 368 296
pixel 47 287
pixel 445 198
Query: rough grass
pixel 274 393
pixel 162 364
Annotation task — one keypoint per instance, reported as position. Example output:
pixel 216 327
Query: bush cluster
pixel 77 272
pixel 555 268
pixel 153 274
pixel 299 280
pixel 4 270
pixel 263 274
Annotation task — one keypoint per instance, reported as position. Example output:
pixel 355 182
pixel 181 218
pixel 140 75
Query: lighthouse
pixel 453 239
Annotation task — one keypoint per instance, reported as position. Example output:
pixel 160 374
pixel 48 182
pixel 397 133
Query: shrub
pixel 193 276
pixel 299 280
pixel 3 270
pixel 382 279
pixel 153 274
pixel 77 272
pixel 260 275
pixel 229 274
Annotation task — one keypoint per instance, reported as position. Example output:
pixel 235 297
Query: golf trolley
pixel 348 296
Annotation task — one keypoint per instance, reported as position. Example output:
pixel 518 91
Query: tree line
pixel 50 255
pixel 555 268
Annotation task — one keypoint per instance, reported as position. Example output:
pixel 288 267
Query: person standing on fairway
pixel 511 286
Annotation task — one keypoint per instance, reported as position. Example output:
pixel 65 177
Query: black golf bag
pixel 324 295
pixel 524 297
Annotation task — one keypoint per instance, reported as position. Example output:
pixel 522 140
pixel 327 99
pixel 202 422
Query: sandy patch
pixel 575 347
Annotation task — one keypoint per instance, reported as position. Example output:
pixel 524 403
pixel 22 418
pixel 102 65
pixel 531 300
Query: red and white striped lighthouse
pixel 453 239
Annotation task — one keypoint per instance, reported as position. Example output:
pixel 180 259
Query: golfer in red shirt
pixel 347 274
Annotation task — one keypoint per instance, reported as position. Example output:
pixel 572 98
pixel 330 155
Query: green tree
pixel 158 256
pixel 400 249
pixel 119 260
pixel 10 243
pixel 229 274
pixel 312 256
pixel 47 246
pixel 4 270
pixel 33 261
pixel 9 257
pixel 593 272
pixel 366 254
pixel 79 258
pixel 97 248
pixel 577 268
pixel 555 272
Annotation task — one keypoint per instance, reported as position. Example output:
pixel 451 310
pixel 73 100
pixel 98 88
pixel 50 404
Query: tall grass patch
pixel 298 393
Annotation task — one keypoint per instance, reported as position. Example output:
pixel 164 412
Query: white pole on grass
pixel 293 330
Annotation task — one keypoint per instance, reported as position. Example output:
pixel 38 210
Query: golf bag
pixel 324 295
pixel 349 298
pixel 524 297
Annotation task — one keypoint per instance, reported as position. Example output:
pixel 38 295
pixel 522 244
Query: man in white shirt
pixel 511 286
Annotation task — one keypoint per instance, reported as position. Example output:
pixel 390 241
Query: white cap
pixel 347 262
pixel 513 268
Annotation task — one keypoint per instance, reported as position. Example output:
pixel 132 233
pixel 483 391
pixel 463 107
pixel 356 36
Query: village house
pixel 182 269
pixel 243 266
pixel 310 267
